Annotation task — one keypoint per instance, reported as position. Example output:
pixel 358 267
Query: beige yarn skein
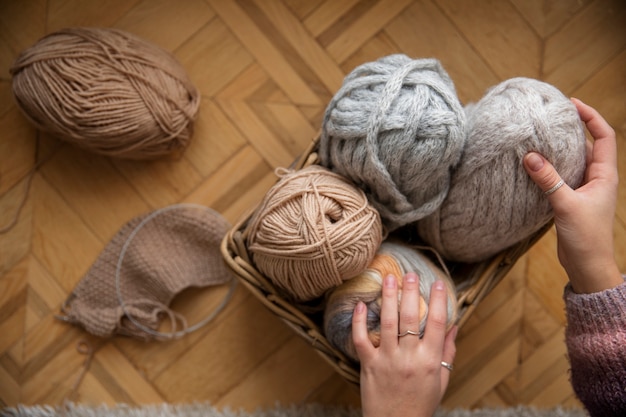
pixel 106 91
pixel 312 231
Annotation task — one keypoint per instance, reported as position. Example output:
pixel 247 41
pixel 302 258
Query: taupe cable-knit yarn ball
pixel 106 91
pixel 492 203
pixel 312 231
pixel 396 128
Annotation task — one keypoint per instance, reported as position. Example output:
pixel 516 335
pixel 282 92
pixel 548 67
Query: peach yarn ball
pixel 312 231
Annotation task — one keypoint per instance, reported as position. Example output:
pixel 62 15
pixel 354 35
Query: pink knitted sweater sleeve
pixel 596 343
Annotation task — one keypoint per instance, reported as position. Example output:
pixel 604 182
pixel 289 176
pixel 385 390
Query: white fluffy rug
pixel 205 410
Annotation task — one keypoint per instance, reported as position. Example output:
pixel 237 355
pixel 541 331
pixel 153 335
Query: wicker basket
pixel 307 320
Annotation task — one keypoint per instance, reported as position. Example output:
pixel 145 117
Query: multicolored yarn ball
pixel 312 231
pixel 392 258
pixel 108 92
pixel 492 203
pixel 396 128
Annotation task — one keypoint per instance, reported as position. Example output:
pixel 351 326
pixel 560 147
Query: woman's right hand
pixel 407 375
pixel 584 217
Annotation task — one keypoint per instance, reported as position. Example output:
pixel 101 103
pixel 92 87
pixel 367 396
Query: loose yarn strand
pixel 29 179
pixel 11 224
pixel 85 348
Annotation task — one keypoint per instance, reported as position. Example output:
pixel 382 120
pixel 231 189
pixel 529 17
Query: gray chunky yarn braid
pixel 492 202
pixel 395 128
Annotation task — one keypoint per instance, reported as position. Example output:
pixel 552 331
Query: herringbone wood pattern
pixel 266 69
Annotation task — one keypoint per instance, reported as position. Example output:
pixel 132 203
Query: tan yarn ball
pixel 107 91
pixel 312 231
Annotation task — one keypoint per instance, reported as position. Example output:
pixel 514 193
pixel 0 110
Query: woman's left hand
pixel 405 375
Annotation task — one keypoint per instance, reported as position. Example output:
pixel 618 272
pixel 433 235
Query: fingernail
pixel 410 277
pixel 360 307
pixel 439 285
pixel 534 161
pixel 390 281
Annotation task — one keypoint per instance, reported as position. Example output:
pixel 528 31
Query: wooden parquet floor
pixel 266 69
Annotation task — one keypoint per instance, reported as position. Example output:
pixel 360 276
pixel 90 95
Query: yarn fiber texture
pixel 396 128
pixel 492 203
pixel 106 91
pixel 392 258
pixel 312 231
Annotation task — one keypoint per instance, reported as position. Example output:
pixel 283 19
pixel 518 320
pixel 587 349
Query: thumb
pixel 543 174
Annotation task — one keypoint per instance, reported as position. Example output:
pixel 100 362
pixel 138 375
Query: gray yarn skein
pixel 492 203
pixel 396 128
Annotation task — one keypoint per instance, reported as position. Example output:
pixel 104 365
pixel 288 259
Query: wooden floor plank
pixel 547 17
pixel 244 87
pixel 54 244
pixel 12 310
pixel 22 24
pixel 160 183
pixel 93 391
pixel 165 23
pixel 311 52
pixel 485 379
pixel 556 391
pixel 474 343
pixel 328 13
pixel 15 242
pixel 6 97
pixel 216 139
pixel 237 186
pixel 54 376
pixel 284 377
pixel 97 193
pixel 532 367
pixel 424 31
pixel 228 357
pixel 538 324
pixel 588 41
pixel 213 57
pixel 19 141
pixel 289 124
pixel 11 389
pixel 43 291
pixel 496 30
pixel 546 278
pixel 265 53
pixel 76 13
pixel 259 135
pixel 605 91
pixel 302 8
pixel 154 359
pixel 368 25
pixel 120 376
